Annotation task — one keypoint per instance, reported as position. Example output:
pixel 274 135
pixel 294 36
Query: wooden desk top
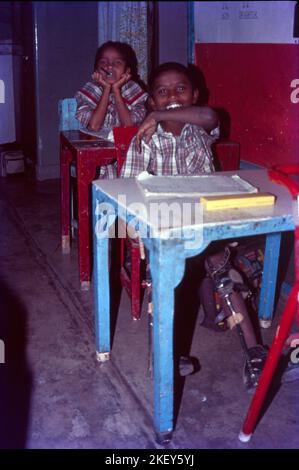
pixel 79 140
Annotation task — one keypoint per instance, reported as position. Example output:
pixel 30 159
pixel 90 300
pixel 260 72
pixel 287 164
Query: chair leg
pixel 135 283
pixel 74 223
pixel 65 159
pixel 270 366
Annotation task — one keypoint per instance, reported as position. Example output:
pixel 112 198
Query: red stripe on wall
pixel 251 82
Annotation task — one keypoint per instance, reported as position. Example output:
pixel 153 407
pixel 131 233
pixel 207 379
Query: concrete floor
pixel 53 392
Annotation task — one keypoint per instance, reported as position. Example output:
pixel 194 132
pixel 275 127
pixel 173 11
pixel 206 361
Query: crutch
pixel 279 175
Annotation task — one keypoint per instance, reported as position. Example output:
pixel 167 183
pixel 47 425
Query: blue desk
pixel 169 244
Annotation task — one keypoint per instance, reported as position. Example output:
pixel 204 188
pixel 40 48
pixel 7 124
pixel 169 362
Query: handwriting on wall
pixel 244 22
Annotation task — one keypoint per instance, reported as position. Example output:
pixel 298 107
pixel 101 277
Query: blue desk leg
pixel 101 282
pixel 267 296
pixel 167 267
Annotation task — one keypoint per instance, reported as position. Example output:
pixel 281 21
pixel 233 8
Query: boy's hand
pixel 146 130
pixel 98 77
pixel 123 79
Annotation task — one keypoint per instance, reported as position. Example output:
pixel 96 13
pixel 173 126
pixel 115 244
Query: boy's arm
pixel 202 116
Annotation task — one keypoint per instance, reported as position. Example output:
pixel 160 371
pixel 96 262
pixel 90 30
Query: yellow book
pixel 236 201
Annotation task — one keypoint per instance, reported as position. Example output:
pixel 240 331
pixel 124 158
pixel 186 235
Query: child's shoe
pixel 258 356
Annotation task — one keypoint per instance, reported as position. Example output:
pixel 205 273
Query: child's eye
pixel 162 91
pixel 181 89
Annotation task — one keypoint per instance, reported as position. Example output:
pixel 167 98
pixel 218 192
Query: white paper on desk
pixel 189 186
pixel 104 133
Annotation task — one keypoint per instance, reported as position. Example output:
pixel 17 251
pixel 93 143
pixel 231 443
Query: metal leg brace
pixel 224 284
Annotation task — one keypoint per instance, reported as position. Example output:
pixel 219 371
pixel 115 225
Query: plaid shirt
pixel 88 98
pixel 166 154
pixel 90 94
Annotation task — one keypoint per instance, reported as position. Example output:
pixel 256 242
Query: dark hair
pixel 166 67
pixel 127 53
pixel 193 74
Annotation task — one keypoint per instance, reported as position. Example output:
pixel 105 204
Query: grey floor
pixel 55 395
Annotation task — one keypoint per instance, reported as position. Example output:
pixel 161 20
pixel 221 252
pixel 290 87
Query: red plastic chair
pixel 228 155
pixel 280 174
pixel 131 282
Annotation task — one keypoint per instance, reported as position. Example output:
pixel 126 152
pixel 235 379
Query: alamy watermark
pixel 294 97
pixel 294 356
pixel 156 219
pixel 2 352
pixel 2 92
pixel 295 93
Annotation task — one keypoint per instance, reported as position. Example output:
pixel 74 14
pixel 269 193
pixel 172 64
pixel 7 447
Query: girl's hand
pixel 119 83
pixel 99 78
pixel 146 130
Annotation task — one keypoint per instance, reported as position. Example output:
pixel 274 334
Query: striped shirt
pixel 89 95
pixel 166 154
pixel 88 98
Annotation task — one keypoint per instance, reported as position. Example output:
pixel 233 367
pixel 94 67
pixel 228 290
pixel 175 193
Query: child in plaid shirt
pixel 176 138
pixel 114 97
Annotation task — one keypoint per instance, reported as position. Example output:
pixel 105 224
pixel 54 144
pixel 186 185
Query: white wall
pixel 7 105
pixel 244 22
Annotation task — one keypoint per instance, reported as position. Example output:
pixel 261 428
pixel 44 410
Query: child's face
pixel 112 65
pixel 172 89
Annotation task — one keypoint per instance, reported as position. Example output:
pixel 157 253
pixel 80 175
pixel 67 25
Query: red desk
pixel 88 153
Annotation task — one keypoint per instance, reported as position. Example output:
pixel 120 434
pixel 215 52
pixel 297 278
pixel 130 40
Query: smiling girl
pixel 115 96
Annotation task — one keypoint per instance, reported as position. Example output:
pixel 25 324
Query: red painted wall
pixel 252 83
